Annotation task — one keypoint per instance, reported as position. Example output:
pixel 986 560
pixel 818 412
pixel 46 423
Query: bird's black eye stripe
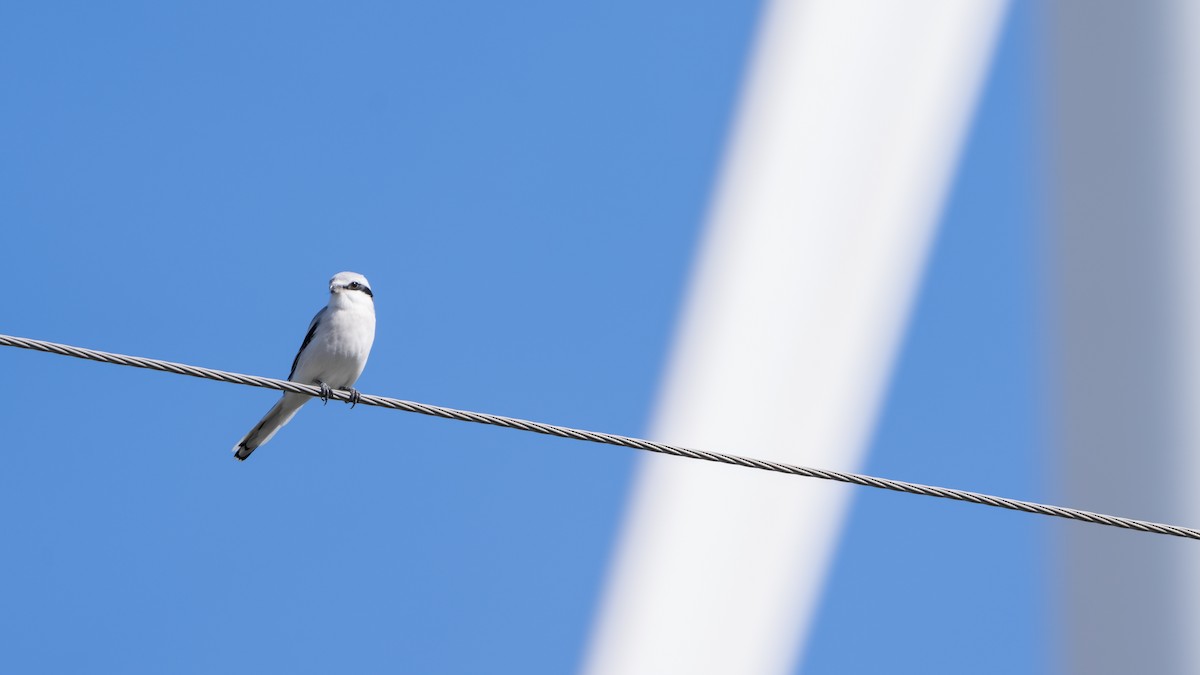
pixel 359 286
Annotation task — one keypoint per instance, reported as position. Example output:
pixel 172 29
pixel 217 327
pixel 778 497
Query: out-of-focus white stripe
pixel 845 144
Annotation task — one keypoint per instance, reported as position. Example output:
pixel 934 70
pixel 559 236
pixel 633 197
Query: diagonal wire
pixel 607 439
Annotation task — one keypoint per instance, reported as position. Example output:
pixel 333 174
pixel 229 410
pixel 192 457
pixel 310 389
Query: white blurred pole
pixel 1185 75
pixel 1125 130
pixel 847 136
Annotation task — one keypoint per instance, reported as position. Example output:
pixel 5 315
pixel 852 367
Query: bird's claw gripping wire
pixel 327 393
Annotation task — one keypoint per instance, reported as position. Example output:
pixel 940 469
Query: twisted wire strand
pixel 607 439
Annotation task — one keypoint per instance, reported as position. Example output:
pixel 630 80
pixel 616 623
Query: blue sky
pixel 523 184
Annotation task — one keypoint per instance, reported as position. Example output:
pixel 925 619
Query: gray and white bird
pixel 332 356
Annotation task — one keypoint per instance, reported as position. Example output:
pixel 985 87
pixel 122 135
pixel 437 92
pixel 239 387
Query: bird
pixel 332 356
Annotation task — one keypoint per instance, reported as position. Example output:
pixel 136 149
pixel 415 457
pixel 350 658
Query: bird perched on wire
pixel 332 355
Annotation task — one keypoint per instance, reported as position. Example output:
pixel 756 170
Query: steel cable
pixel 607 439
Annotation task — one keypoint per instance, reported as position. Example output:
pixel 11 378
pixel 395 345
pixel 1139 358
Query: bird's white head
pixel 353 286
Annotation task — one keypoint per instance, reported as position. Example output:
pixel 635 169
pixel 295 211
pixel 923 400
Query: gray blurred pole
pixel 1125 300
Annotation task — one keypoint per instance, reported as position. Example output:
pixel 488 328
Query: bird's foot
pixel 325 393
pixel 355 397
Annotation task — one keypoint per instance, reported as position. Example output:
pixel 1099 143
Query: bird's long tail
pixel 272 422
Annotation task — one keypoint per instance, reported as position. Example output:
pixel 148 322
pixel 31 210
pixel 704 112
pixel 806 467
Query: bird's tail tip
pixel 241 452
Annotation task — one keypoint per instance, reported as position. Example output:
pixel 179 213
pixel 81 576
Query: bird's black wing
pixel 312 330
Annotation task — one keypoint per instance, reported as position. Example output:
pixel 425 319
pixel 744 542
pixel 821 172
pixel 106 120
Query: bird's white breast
pixel 340 347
